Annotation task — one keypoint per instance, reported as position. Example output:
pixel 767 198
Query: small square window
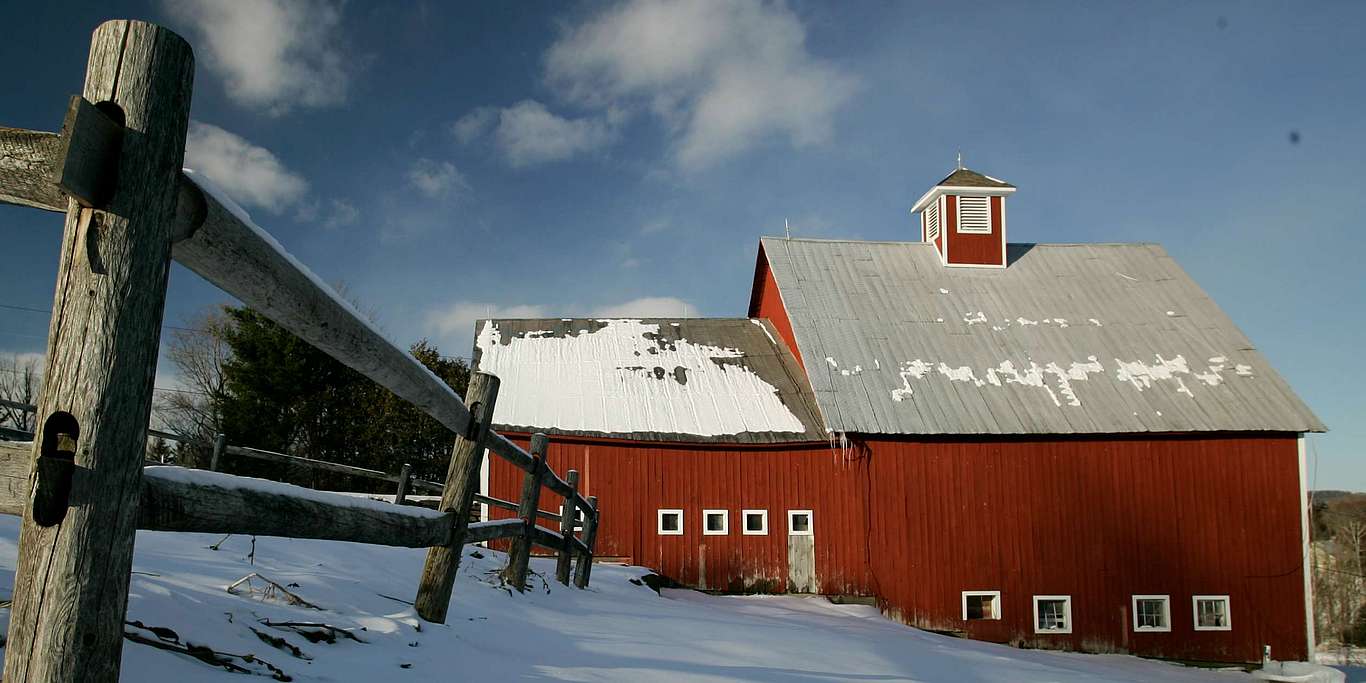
pixel 1152 613
pixel 715 522
pixel 756 522
pixel 1052 614
pixel 799 523
pixel 1212 613
pixel 981 605
pixel 578 518
pixel 670 522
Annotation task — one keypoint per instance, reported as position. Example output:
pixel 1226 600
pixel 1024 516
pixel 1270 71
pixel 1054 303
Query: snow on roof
pixel 658 379
pixel 1086 338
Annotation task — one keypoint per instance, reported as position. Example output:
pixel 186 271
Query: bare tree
pixel 198 351
pixel 21 378
pixel 1340 572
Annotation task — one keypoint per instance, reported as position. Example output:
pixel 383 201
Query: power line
pixel 30 309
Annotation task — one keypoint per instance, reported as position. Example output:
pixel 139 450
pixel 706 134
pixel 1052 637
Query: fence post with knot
pixel 462 481
pixel 519 554
pixel 76 543
pixel 568 518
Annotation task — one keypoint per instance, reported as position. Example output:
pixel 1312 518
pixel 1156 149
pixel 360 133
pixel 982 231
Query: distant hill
pixel 1329 495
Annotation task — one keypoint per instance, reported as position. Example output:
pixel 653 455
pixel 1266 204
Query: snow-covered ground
pixel 615 631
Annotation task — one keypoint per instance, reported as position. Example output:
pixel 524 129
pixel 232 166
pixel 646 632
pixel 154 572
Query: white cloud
pixel 648 307
pixel 341 213
pixel 436 178
pixel 722 74
pixel 529 134
pixel 474 125
pixel 657 225
pixel 273 55
pixel 250 174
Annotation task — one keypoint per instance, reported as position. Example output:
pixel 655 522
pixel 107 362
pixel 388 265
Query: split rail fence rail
pixel 114 170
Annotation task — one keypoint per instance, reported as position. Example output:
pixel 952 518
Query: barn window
pixel 715 522
pixel 578 518
pixel 799 523
pixel 756 522
pixel 981 605
pixel 1152 613
pixel 974 215
pixel 1211 613
pixel 670 522
pixel 1052 614
pixel 932 222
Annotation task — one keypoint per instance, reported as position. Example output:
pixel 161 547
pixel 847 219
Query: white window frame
pixel 1228 613
pixel 995 605
pixel 744 522
pixel 725 522
pixel 660 521
pixel 810 523
pixel 578 517
pixel 958 211
pixel 1166 614
pixel 1066 612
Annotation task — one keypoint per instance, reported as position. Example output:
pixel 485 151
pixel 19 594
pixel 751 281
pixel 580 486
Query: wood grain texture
pixel 26 161
pixel 567 518
pixel 71 586
pixel 207 507
pixel 519 554
pixel 86 167
pixel 584 569
pixel 251 267
pixel 462 481
pixel 168 504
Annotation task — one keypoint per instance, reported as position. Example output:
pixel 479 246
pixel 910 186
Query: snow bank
pixel 615 631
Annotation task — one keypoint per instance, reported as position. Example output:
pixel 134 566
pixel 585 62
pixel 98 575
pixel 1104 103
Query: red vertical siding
pixel 974 249
pixel 915 522
pixel 767 302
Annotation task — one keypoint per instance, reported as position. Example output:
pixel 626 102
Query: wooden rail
pixel 82 489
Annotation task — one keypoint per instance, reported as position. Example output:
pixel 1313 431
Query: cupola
pixel 964 217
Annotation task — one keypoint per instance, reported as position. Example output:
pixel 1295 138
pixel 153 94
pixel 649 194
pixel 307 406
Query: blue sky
pixel 450 160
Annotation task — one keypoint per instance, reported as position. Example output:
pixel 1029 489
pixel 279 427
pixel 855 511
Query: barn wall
pixel 965 248
pixel 1100 520
pixel 915 522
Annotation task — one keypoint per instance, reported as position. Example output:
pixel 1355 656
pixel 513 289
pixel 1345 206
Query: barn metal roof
pixel 1070 338
pixel 688 379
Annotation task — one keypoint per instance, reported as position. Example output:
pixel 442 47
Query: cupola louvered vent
pixel 932 223
pixel 974 215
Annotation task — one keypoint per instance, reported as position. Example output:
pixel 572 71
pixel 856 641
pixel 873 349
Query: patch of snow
pixel 943 291
pixel 624 378
pixel 762 326
pixel 973 319
pixel 1242 370
pixel 617 630
pixel 1095 322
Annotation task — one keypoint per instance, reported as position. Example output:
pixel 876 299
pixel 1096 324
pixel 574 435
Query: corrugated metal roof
pixel 688 379
pixel 1084 338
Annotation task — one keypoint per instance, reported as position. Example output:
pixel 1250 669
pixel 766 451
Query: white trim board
pixel 1306 549
pixel 995 605
pixel 1166 613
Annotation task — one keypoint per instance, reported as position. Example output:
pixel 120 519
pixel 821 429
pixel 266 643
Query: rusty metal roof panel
pixel 1070 338
pixel 687 379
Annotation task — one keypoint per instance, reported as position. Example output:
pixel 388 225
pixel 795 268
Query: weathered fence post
pixel 519 554
pixel 567 518
pixel 218 443
pixel 76 543
pixel 584 568
pixel 462 480
pixel 405 477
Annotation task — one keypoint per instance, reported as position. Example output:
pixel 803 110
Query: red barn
pixel 1054 445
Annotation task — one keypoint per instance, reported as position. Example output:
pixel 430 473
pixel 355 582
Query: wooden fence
pixel 114 170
